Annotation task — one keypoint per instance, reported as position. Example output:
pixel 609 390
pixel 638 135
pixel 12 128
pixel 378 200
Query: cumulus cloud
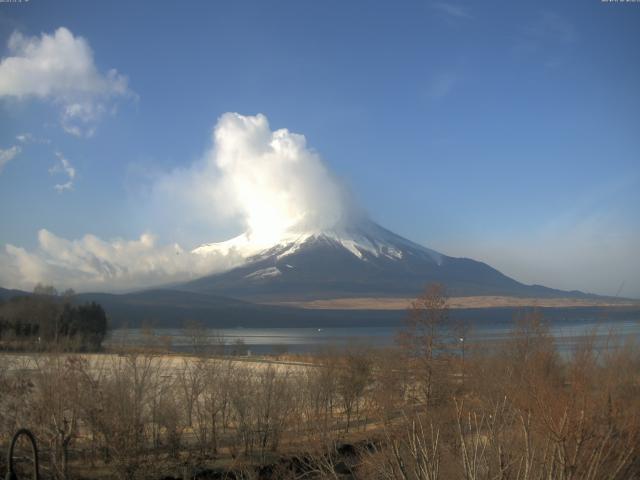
pixel 7 155
pixel 270 180
pixel 91 263
pixel 60 67
pixel 63 166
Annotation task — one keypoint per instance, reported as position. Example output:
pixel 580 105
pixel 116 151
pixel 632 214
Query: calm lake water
pixel 307 340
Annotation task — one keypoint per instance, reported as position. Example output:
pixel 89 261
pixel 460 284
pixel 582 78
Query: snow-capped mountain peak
pixel 361 259
pixel 364 240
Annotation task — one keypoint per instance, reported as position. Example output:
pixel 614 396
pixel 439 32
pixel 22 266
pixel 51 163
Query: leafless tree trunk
pixel 423 336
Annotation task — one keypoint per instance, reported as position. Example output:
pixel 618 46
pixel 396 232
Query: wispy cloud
pixel 29 137
pixel 63 166
pixel 451 10
pixel 60 67
pixel 6 155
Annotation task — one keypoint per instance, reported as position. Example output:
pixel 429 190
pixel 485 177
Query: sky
pixel 132 132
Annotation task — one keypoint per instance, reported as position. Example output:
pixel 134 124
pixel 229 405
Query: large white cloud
pixel 90 263
pixel 60 67
pixel 270 180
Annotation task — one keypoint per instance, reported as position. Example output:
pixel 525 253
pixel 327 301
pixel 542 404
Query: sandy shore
pixel 381 303
pixel 171 363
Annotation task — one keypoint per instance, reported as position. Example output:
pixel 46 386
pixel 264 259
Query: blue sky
pixel 508 132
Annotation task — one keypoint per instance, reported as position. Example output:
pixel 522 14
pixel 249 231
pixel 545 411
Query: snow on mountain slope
pixel 367 238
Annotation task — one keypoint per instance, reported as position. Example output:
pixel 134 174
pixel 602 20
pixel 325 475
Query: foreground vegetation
pixel 431 409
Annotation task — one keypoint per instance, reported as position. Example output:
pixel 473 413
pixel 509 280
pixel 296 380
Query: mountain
pixel 165 307
pixel 360 260
pixel 6 294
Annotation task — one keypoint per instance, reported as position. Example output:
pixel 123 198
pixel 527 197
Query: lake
pixel 259 341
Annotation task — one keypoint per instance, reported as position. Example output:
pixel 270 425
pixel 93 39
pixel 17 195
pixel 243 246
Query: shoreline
pixel 402 303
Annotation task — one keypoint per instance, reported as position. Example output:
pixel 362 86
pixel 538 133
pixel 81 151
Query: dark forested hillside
pixel 48 320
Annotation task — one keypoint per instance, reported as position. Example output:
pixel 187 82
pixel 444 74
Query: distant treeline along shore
pixel 48 319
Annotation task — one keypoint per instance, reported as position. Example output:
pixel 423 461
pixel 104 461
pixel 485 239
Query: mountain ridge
pixel 166 308
pixel 364 259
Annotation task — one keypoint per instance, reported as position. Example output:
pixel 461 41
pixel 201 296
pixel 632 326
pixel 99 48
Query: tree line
pixel 46 319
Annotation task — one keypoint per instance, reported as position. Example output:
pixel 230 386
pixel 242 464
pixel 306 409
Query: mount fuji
pixel 361 259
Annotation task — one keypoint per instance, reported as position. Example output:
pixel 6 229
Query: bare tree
pixel 116 403
pixel 196 334
pixel 321 390
pixel 354 376
pixel 410 453
pixel 190 381
pixel 274 401
pixel 213 410
pixel 54 407
pixel 390 383
pixel 423 337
